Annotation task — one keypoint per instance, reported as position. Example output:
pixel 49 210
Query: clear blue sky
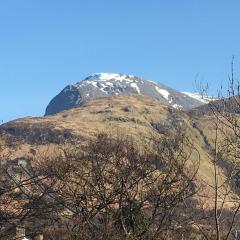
pixel 47 44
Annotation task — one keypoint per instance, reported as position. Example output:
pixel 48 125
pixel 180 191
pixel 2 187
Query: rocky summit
pixel 100 85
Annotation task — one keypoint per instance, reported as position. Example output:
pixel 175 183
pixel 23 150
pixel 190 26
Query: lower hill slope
pixel 136 116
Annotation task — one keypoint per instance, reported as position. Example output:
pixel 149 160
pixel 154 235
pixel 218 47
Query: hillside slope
pixel 137 116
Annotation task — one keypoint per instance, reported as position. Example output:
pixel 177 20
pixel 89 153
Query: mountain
pixel 112 84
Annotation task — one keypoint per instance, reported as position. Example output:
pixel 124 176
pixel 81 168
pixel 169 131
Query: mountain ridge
pixel 112 84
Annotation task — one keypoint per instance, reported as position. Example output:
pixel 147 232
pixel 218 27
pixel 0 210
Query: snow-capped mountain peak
pixel 99 85
pixel 109 76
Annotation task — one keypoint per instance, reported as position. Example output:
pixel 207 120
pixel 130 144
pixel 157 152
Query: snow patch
pixel 103 90
pixel 177 106
pixel 151 81
pixel 110 76
pixel 94 84
pixel 171 100
pixel 199 97
pixel 109 84
pixel 134 85
pixel 163 92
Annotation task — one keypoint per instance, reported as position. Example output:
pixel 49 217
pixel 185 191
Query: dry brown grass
pixel 132 115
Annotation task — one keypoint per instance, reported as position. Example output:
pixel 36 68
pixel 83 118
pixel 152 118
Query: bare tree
pixel 114 189
pixel 224 152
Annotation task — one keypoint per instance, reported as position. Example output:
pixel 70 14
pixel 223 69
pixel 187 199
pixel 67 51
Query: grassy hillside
pixel 137 116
